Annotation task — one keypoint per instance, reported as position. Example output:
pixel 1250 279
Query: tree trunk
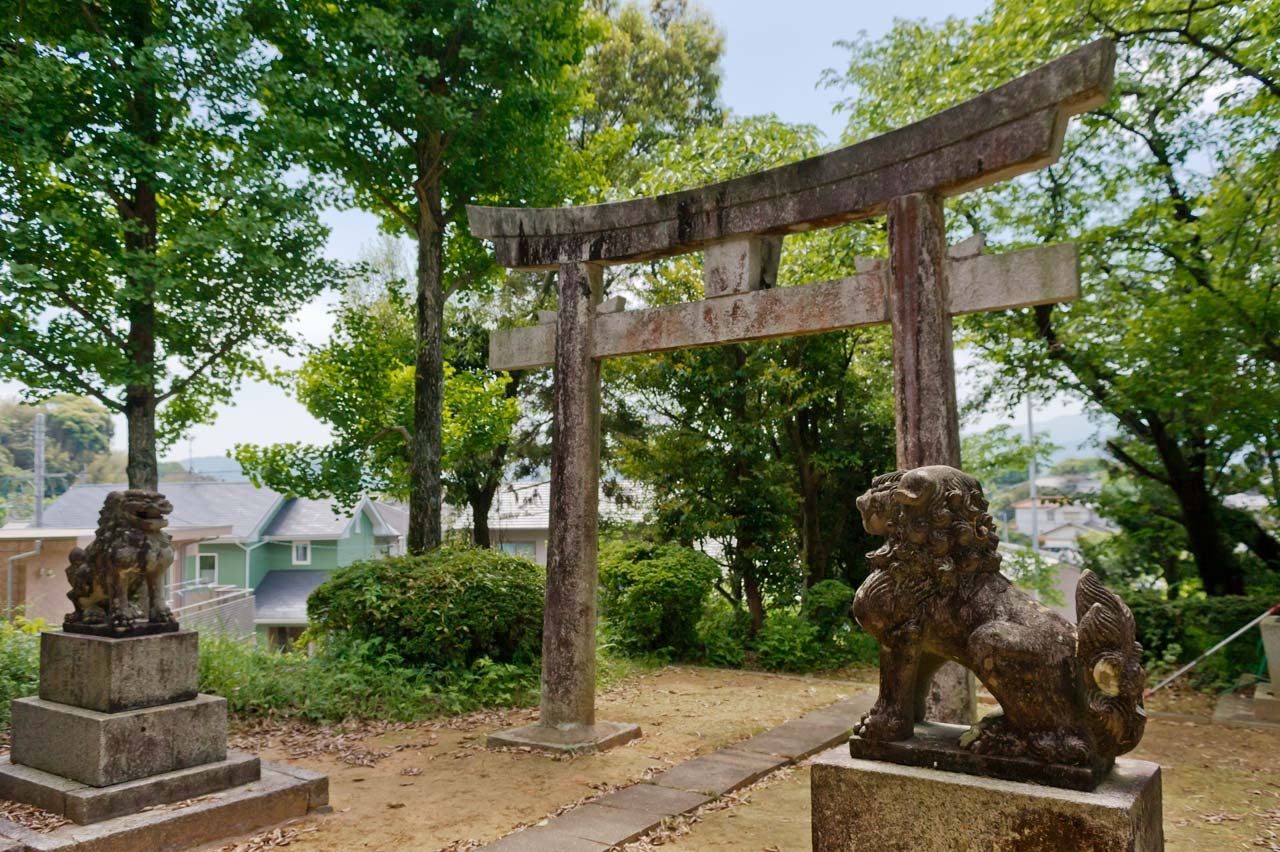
pixel 1219 570
pixel 755 599
pixel 140 241
pixel 481 501
pixel 428 383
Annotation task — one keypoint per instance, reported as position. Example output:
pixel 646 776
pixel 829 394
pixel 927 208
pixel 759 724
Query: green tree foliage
pixel 78 431
pixel 361 383
pixel 418 110
pixel 1171 189
pixel 652 596
pixel 759 447
pixel 151 244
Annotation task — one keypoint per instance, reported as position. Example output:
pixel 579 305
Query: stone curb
pixel 631 812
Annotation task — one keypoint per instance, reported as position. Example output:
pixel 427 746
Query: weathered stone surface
pixel 1007 131
pixel 94 804
pixel 544 839
pixel 110 675
pixel 1270 628
pixel 31 786
pixel 569 625
pixel 937 746
pixel 1266 705
pixel 741 265
pixel 1069 694
pixel 101 749
pixel 653 799
pixel 611 826
pixel 240 810
pixel 315 783
pixel 117 582
pixel 570 739
pixel 1035 276
pixel 880 807
pixel 720 772
pixel 798 739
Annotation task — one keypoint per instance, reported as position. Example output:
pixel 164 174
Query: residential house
pixel 1061 524
pixel 234 535
pixel 520 517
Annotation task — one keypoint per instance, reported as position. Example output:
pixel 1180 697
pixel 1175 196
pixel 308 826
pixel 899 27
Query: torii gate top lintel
pixel 999 134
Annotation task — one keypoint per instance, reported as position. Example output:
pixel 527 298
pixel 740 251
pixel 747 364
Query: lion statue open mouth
pixel 117 582
pixel 1069 694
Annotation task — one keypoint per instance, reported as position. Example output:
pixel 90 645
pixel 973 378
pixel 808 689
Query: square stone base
pixel 282 793
pixel 112 675
pixel 102 749
pixel 571 740
pixel 1266 705
pixel 83 804
pixel 871 806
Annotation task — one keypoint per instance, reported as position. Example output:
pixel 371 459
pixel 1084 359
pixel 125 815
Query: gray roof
pixel 281 597
pixel 239 505
pixel 305 518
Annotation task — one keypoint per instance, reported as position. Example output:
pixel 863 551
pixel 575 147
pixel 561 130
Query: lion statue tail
pixel 1112 662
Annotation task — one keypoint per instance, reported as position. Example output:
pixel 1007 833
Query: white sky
pixel 774 56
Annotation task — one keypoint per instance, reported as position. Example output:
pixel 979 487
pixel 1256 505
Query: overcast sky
pixel 774 56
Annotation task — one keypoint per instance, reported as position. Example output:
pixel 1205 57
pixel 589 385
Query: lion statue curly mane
pixel 1069 694
pixel 117 583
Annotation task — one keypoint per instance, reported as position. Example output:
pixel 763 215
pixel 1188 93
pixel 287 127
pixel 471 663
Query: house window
pixel 207 567
pixel 519 548
pixel 302 553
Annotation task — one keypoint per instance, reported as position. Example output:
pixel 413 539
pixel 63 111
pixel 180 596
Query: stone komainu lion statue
pixel 1069 694
pixel 117 583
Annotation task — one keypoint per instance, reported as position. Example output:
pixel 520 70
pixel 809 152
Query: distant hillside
pixel 220 468
pixel 1076 435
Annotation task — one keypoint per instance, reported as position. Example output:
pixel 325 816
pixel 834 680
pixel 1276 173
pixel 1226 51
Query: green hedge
pixel 1173 632
pixel 653 596
pixel 447 609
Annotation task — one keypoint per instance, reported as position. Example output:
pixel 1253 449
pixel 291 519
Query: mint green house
pixel 279 547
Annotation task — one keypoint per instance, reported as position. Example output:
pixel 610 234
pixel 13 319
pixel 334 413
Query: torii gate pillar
pixel 924 387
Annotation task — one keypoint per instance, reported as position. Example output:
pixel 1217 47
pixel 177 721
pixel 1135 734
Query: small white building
pixel 1061 524
pixel 520 517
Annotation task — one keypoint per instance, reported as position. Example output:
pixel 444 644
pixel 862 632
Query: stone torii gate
pixel 740 226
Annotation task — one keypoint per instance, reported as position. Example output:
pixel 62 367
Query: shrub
pixel 653 595
pixel 19 661
pixel 788 642
pixel 443 610
pixel 722 635
pixel 828 605
pixel 344 682
pixel 1178 631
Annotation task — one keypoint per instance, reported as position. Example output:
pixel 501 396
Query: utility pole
pixel 1035 501
pixel 38 482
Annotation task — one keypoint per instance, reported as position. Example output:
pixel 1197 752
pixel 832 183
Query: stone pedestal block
pixel 1270 628
pixel 85 805
pixel 871 806
pixel 1266 703
pixel 569 739
pixel 101 749
pixel 112 675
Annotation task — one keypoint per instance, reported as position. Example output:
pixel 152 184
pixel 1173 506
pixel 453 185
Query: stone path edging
pixel 630 812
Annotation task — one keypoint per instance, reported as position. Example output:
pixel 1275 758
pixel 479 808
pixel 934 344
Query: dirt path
pixel 435 789
pixel 442 787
